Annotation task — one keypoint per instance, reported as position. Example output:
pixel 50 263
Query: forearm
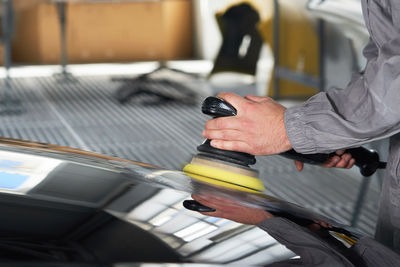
pixel 365 111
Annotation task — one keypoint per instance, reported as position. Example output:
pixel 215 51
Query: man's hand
pixel 231 210
pixel 340 160
pixel 257 129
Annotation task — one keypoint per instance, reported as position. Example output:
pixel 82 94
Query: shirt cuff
pixel 297 132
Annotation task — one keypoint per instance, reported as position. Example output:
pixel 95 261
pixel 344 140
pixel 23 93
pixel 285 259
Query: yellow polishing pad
pixel 224 178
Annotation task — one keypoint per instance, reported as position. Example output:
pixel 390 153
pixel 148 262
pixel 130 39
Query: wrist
pixel 285 144
pixel 262 216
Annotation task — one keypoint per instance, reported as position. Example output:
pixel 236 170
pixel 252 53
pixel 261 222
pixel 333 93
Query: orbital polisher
pixel 222 167
pixel 232 169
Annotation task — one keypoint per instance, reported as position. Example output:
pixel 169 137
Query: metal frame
pixel 8 103
pixel 8 30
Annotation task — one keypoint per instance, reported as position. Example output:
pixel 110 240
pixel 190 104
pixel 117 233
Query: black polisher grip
pixel 217 107
pixel 196 206
pixel 366 159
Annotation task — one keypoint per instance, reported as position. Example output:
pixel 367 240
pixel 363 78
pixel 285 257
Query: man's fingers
pixel 314 227
pixel 299 165
pixel 351 163
pixel 223 123
pixel 224 135
pixel 204 201
pixel 238 146
pixel 340 152
pixel 235 100
pixel 331 162
pixel 344 160
pixel 220 205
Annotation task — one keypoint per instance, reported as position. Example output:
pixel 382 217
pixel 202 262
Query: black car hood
pixel 102 209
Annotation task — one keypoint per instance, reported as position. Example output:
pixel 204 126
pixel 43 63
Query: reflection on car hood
pixel 123 211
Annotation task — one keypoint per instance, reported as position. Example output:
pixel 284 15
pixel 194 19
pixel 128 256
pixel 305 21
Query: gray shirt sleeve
pixel 375 254
pixel 316 251
pixel 367 110
pixel 312 250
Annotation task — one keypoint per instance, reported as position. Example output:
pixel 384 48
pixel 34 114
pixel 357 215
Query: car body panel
pixel 116 210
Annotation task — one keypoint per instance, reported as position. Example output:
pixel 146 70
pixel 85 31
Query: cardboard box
pixel 105 32
pixel 19 5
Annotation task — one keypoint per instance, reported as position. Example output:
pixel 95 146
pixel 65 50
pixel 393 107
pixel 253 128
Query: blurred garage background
pixel 126 78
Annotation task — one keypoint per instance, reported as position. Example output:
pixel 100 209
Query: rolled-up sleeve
pixel 367 109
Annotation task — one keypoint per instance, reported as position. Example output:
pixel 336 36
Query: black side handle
pixel 366 159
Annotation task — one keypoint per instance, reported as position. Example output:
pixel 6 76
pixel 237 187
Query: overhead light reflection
pixel 163 217
pixel 204 237
pixel 237 248
pixel 20 173
pixel 191 229
pixel 201 233
pixel 158 206
pixel 195 231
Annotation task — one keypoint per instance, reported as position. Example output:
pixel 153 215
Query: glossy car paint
pixel 69 205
